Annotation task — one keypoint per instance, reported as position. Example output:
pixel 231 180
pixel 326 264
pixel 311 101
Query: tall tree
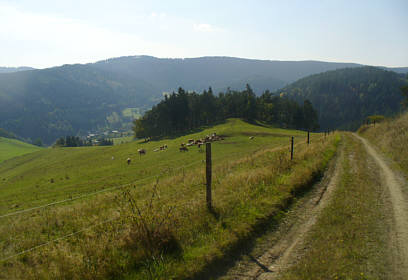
pixel 183 111
pixel 404 90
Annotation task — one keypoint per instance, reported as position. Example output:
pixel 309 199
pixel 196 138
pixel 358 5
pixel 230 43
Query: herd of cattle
pixel 184 146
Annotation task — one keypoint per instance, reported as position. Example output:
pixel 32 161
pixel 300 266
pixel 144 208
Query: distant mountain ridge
pixel 14 69
pixel 73 99
pixel 400 70
pixel 218 72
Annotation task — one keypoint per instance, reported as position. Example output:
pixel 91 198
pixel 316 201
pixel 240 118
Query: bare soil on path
pixel 288 238
pixel 395 185
pixel 288 241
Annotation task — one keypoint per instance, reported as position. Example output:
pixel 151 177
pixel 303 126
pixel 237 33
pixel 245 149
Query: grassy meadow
pixel 122 140
pixel 148 220
pixel 10 148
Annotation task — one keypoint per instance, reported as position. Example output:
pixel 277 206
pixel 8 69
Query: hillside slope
pixel 72 204
pixel 14 69
pixel 345 97
pixel 10 148
pixel 66 100
pixel 74 99
pixel 218 72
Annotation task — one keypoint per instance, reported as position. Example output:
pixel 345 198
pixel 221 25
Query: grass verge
pixel 349 240
pixel 391 137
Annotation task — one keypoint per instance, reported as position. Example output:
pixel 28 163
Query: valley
pixel 107 95
pixel 203 140
pixel 273 218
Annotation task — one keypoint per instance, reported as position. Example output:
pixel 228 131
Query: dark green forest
pixel 6 134
pixel 77 99
pixel 345 98
pixel 404 90
pixel 183 111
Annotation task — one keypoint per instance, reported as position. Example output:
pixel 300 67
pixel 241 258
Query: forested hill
pixel 345 97
pixel 74 99
pixel 6 134
pixel 168 74
pixel 184 111
pixel 67 100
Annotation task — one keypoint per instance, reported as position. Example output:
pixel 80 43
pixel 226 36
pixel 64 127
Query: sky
pixel 46 33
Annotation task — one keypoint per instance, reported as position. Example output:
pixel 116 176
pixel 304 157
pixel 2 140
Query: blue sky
pixel 50 33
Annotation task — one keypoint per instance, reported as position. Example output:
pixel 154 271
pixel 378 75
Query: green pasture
pixel 10 148
pixel 60 173
pixel 253 180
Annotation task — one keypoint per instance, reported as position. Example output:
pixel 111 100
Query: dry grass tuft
pixel 391 136
pixel 151 226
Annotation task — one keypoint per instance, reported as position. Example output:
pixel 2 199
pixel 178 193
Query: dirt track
pixel 291 234
pixel 289 241
pixel 395 185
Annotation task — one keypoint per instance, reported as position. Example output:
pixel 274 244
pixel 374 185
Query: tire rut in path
pixel 399 204
pixel 284 251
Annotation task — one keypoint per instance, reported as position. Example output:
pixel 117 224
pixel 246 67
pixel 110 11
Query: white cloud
pixel 158 15
pixel 43 40
pixel 205 27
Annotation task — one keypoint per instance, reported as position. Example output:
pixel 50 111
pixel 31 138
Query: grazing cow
pixel 128 161
pixel 142 151
pixel 183 149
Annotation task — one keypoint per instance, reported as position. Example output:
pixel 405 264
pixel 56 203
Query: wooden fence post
pixel 291 149
pixel 308 137
pixel 208 174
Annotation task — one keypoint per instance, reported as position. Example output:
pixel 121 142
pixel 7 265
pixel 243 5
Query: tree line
pixel 404 91
pixel 183 111
pixel 6 134
pixel 75 141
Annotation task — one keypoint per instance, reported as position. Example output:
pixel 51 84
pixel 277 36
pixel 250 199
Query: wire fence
pixel 56 240
pixel 121 186
pixel 108 189
pixel 178 194
pixel 89 194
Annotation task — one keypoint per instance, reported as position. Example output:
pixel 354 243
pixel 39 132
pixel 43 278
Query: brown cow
pixel 183 149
